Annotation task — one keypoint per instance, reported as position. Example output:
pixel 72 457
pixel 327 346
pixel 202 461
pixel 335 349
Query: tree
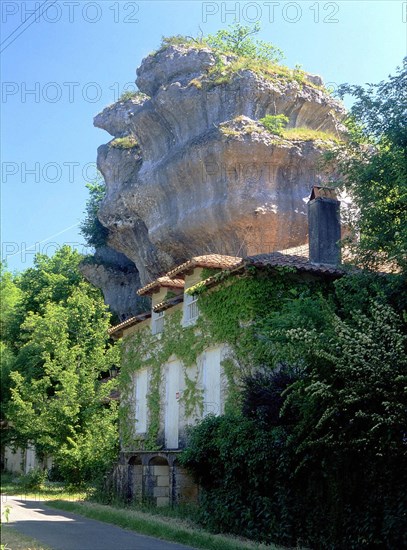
pixel 373 165
pixel 59 398
pixel 10 298
pixel 94 232
pixel 238 40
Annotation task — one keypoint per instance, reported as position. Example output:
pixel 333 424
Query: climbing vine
pixel 143 349
pixel 237 312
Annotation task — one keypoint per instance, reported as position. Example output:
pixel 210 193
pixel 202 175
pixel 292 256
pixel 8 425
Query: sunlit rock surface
pixel 205 176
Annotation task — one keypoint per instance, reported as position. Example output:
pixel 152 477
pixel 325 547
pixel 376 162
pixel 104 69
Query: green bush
pixel 233 462
pixel 94 232
pixel 238 40
pixel 262 397
pixel 275 123
pixel 127 142
pixel 132 95
pixel 34 479
pixel 317 458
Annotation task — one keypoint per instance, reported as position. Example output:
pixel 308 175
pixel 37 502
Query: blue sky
pixel 67 60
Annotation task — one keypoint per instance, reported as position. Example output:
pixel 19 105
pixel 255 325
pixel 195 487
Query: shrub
pixel 34 479
pixel 94 232
pixel 263 395
pixel 238 40
pixel 55 474
pixel 275 123
pixel 221 451
pixel 127 142
pixel 132 95
pixel 317 460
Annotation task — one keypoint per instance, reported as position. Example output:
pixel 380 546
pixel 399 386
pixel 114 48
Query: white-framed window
pixel 157 322
pixel 191 310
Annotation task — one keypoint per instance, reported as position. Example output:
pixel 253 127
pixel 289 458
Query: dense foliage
pixel 55 353
pixel 374 169
pixel 275 123
pixel 238 40
pixel 316 455
pixel 94 232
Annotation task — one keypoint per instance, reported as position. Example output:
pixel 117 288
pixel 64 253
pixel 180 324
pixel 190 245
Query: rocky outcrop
pixel 119 280
pixel 205 175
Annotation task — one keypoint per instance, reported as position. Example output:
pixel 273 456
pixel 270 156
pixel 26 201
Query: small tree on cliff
pixel 94 232
pixel 238 40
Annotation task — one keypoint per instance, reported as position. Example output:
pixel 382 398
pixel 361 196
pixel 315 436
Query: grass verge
pixel 12 485
pixel 175 524
pixel 170 529
pixel 11 539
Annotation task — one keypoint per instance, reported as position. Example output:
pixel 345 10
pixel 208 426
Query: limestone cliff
pixel 191 170
pixel 119 280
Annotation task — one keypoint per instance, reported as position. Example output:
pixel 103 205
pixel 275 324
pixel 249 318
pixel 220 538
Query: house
pixel 184 359
pixel 23 460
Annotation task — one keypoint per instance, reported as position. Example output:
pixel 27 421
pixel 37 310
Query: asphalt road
pixel 66 531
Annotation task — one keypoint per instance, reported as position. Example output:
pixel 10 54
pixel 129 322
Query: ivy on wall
pixel 142 349
pixel 238 312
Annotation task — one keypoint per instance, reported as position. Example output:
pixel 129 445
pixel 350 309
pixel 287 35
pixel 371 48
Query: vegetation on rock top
pixel 274 125
pixel 133 94
pixel 127 142
pixel 235 51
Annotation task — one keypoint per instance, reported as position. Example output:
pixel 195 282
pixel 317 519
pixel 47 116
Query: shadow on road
pixel 66 531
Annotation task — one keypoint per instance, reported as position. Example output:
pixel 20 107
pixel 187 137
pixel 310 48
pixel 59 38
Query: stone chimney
pixel 324 226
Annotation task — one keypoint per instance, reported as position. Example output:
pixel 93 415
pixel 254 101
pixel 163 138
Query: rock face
pixel 206 176
pixel 119 280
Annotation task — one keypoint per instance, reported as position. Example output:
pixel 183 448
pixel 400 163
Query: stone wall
pixel 22 461
pixel 155 477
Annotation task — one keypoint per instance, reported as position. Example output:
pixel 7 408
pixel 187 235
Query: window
pixel 191 311
pixel 157 322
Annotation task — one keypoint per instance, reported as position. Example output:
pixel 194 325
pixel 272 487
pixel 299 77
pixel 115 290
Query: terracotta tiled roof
pixel 129 323
pixel 162 306
pixel 164 281
pixel 212 261
pixel 301 263
pixel 348 259
pixel 302 250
